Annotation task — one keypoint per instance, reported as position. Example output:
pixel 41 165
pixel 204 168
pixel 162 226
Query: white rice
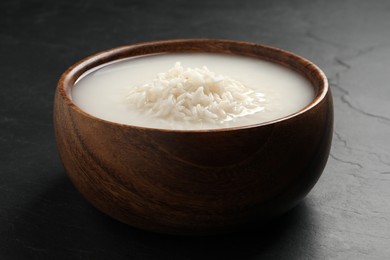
pixel 195 95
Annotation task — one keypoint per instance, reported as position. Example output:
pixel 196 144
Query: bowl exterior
pixel 193 182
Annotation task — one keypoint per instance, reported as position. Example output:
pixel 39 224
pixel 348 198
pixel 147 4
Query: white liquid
pixel 102 92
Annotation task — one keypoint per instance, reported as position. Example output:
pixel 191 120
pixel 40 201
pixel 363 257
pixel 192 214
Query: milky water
pixel 102 92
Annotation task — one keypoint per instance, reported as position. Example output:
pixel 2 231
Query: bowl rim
pixel 78 69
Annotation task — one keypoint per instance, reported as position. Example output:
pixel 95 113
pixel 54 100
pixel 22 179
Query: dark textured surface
pixel 347 214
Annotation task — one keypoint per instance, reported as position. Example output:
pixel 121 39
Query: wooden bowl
pixel 197 181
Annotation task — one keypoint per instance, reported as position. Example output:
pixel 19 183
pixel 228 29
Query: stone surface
pixel 347 214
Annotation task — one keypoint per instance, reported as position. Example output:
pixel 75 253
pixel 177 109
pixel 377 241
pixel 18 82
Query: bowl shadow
pixel 60 224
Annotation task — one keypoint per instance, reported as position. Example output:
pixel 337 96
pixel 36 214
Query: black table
pixel 347 214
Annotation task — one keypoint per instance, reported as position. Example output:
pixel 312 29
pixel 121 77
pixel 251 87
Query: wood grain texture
pixel 194 182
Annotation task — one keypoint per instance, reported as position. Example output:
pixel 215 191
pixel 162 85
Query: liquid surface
pixel 102 92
